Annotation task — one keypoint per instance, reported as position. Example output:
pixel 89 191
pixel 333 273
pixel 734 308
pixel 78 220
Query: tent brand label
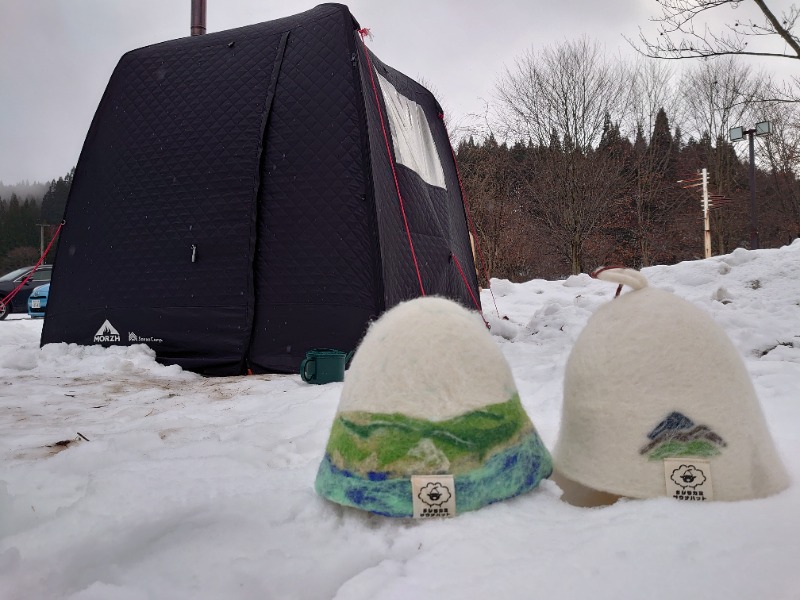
pixel 433 496
pixel 106 334
pixel 688 479
pixel 139 339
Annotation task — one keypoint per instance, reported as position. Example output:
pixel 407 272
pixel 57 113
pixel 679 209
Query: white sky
pixel 56 56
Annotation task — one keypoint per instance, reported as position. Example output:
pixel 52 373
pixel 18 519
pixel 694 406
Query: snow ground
pixel 195 488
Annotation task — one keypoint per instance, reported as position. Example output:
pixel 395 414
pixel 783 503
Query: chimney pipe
pixel 198 17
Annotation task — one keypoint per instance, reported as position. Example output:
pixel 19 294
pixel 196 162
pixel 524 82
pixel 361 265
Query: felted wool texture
pixel 429 393
pixel 508 473
pixel 653 376
pixel 428 358
pixel 396 445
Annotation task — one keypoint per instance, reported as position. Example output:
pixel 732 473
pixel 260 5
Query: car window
pixel 42 275
pixel 14 274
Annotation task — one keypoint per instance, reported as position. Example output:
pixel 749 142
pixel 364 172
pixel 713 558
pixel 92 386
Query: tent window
pixel 411 135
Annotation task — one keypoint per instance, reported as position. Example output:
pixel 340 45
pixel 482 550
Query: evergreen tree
pixel 555 141
pixel 639 145
pixel 677 140
pixel 518 152
pixel 20 220
pixel 19 224
pixel 55 199
pixel 612 141
pixel 604 137
pixel 569 144
pixel 661 143
pixel 611 136
pixel 4 247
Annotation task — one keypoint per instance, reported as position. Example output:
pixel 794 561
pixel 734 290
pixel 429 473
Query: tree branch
pixel 678 18
pixel 776 25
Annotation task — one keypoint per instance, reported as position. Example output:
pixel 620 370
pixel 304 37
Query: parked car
pixel 37 301
pixel 10 281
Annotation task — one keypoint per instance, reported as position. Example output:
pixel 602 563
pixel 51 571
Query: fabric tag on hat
pixel 433 496
pixel 688 479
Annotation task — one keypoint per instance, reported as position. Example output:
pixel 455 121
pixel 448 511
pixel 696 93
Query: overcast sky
pixel 56 56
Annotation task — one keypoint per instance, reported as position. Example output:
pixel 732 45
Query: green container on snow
pixel 324 365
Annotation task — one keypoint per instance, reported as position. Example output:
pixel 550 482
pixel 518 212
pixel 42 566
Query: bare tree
pixel 567 88
pixel 781 152
pixel 651 88
pixel 572 196
pixel 491 181
pixel 718 95
pixel 652 184
pixel 652 198
pixel 562 96
pixel 683 31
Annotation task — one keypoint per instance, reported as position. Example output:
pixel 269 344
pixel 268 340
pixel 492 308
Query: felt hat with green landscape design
pixel 429 393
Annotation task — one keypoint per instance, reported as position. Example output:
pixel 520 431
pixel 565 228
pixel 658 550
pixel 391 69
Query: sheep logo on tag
pixel 688 476
pixel 688 479
pixel 433 496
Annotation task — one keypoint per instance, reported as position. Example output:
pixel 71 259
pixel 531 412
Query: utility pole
pixel 753 208
pixel 709 201
pixel 706 220
pixel 736 134
pixel 693 183
pixel 41 227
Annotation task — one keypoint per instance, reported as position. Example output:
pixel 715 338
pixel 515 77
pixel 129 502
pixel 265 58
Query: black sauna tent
pixel 247 195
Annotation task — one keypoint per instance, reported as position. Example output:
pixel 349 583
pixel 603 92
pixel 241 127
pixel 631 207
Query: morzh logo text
pixel 106 334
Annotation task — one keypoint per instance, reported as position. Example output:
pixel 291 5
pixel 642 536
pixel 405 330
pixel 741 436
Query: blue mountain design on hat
pixel 677 435
pixel 674 421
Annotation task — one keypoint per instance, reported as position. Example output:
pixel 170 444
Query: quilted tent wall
pixel 235 204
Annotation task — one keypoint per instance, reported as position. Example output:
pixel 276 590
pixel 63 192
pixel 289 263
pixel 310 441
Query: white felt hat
pixel 430 400
pixel 657 401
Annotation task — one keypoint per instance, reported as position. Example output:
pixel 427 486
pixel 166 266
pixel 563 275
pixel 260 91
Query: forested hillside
pixel 28 224
pixel 583 160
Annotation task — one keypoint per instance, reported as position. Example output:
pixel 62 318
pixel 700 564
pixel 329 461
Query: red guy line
pixel 363 33
pixel 13 292
pixel 471 225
